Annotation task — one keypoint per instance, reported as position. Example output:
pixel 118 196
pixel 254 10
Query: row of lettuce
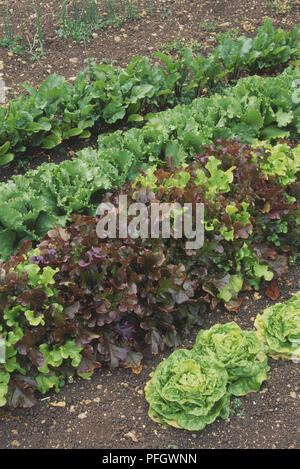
pixel 104 96
pixel 256 108
pixel 191 388
pixel 76 302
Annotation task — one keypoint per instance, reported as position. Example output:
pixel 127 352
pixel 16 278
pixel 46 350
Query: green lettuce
pixel 188 392
pixel 240 352
pixel 279 328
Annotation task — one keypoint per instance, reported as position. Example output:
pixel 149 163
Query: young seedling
pixel 281 6
pixel 12 40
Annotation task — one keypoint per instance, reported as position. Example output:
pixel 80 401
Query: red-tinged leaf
pixel 110 318
pixel 221 282
pixel 25 344
pixel 117 354
pixel 280 265
pixel 242 231
pixel 35 298
pixel 133 361
pixel 272 291
pixel 64 234
pixel 234 305
pixel 36 357
pixel 93 255
pixel 127 330
pixel 58 232
pixel 21 391
pixel 213 303
pixel 154 338
pixel 88 362
pixel 208 288
pixel 151 260
pixel 85 337
pixel 143 195
pixel 273 192
pixel 270 253
pixel 24 248
pixel 104 307
pixel 71 310
pixel 61 333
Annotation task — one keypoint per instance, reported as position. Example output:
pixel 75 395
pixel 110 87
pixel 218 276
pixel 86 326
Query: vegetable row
pixel 105 96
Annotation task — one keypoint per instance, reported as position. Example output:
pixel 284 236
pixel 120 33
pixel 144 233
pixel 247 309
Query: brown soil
pixel 109 410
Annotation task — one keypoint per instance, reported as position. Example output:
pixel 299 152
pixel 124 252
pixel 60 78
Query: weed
pixel 79 23
pixel 16 42
pixel 236 408
pixel 281 6
pixel 108 61
pixel 179 45
pixel 23 165
pixel 39 18
pixel 13 41
pixel 234 33
pixel 210 26
pixel 165 12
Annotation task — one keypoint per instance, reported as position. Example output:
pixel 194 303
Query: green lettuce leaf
pixel 240 352
pixel 279 329
pixel 188 392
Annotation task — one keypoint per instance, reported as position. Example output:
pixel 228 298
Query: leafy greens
pixel 279 329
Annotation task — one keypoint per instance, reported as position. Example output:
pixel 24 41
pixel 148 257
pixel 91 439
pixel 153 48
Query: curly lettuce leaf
pixel 279 329
pixel 240 352
pixel 188 392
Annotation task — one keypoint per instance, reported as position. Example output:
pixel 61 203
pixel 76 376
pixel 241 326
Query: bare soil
pixel 109 411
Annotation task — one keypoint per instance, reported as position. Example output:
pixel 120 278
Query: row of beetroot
pixel 105 96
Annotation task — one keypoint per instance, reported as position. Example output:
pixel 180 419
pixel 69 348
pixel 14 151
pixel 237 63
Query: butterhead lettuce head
pixel 240 352
pixel 188 392
pixel 279 328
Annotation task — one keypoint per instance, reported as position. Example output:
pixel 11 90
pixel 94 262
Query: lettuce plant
pixel 187 391
pixel 279 329
pixel 239 351
pixel 33 335
pixel 279 161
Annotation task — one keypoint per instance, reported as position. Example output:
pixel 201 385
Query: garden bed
pixel 110 412
pixel 159 23
pixel 153 26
